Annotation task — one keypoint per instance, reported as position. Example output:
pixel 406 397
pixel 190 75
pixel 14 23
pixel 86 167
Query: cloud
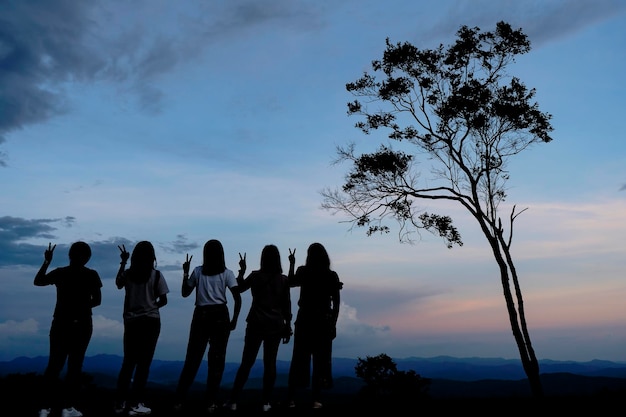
pixel 41 47
pixel 18 237
pixel 543 22
pixel 375 302
pixel 12 328
pixel 45 46
pixel 181 245
pixel 107 328
pixel 16 231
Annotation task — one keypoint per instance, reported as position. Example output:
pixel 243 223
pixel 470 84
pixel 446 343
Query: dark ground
pixel 98 403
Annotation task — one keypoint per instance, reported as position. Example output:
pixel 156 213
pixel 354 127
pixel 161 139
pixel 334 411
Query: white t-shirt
pixel 141 299
pixel 211 290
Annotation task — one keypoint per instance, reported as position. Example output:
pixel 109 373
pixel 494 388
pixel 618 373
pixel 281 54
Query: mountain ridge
pixel 450 378
pixel 438 367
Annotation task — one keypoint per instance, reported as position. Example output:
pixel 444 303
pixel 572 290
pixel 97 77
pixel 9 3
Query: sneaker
pixel 266 407
pixel 317 404
pixel 212 409
pixel 44 412
pixel 139 410
pixel 178 408
pixel 71 412
pixel 291 404
pixel 231 406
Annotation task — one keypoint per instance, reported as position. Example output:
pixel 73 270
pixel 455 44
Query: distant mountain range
pixel 450 376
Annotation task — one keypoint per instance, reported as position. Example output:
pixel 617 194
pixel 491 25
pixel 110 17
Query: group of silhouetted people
pixel 268 323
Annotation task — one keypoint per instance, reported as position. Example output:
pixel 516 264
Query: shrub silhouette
pixel 384 383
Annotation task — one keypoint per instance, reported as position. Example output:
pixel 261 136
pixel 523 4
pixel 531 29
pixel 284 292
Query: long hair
pixel 79 254
pixel 142 262
pixel 213 262
pixel 270 260
pixel 317 257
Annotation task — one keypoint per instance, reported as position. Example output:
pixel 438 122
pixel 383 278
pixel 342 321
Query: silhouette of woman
pixel 78 291
pixel 211 323
pixel 315 325
pixel 145 293
pixel 268 321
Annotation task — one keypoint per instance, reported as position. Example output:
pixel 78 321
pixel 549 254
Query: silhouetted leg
pixel 322 367
pixel 198 340
pixel 129 362
pixel 81 335
pixel 300 367
pixel 270 351
pixel 147 331
pixel 59 348
pixel 216 356
pixel 252 344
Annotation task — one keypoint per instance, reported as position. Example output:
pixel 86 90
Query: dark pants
pixel 140 339
pixel 311 344
pixel 253 340
pixel 210 326
pixel 68 342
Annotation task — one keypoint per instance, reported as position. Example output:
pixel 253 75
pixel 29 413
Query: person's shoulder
pixel 89 270
pixel 302 269
pixel 229 275
pixel 58 270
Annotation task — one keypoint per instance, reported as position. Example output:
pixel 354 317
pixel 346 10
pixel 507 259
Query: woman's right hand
pixel 124 255
pixel 242 262
pixel 292 256
pixel 186 264
pixel 47 255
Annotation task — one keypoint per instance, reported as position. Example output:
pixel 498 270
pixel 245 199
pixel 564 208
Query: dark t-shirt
pixel 316 294
pixel 271 301
pixel 76 286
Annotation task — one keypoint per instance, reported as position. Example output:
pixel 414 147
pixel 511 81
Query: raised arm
pixel 186 289
pixel 242 285
pixel 40 278
pixel 292 265
pixel 119 278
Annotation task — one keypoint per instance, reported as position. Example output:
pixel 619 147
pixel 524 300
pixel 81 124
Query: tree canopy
pixel 463 116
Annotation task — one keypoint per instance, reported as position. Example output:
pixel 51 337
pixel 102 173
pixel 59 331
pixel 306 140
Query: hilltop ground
pixel 98 402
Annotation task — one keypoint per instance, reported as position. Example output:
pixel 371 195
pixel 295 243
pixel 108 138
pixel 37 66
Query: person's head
pixel 213 261
pixel 270 260
pixel 317 257
pixel 79 253
pixel 142 260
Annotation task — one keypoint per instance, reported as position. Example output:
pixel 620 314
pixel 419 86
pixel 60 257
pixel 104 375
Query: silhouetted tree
pixel 459 111
pixel 385 383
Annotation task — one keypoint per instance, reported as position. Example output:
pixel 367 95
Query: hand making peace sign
pixel 124 255
pixel 186 264
pixel 47 256
pixel 242 261
pixel 292 256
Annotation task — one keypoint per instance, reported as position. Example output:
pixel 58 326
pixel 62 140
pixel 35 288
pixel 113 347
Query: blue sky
pixel 179 122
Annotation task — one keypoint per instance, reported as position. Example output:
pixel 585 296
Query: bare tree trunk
pixel 517 319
